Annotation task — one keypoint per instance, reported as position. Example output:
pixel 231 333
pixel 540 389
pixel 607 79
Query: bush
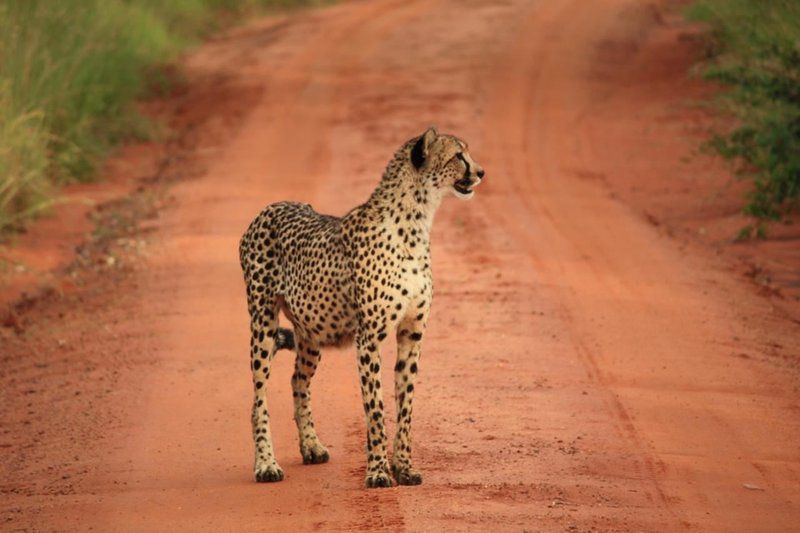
pixel 756 53
pixel 70 70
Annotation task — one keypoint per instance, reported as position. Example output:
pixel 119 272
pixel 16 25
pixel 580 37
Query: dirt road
pixel 582 370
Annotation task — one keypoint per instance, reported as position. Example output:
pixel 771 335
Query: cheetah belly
pixel 319 305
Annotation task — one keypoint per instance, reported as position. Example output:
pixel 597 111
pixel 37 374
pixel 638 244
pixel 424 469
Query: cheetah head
pixel 444 164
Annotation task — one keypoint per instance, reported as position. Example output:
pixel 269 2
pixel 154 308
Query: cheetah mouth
pixel 464 189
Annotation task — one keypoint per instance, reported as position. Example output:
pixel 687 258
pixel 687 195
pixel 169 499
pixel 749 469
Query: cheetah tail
pixel 284 339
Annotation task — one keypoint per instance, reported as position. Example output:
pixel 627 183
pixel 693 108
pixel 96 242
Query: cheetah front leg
pixel 409 340
pixel 369 367
pixel 305 366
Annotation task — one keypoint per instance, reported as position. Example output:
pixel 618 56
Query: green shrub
pixel 69 70
pixel 756 53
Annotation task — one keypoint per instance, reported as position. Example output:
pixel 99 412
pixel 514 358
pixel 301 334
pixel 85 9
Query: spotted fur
pixel 354 278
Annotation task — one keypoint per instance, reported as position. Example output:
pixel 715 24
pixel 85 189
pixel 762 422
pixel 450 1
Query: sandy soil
pixel 587 367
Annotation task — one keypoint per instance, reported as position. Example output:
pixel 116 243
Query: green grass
pixel 69 71
pixel 756 54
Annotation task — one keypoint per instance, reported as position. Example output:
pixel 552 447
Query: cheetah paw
pixel 268 473
pixel 407 476
pixel 314 454
pixel 378 479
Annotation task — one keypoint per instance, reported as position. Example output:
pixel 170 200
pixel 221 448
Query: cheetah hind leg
pixel 308 358
pixel 263 345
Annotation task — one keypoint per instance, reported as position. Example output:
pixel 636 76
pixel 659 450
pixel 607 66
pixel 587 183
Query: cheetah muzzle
pixel 463 188
pixel 348 280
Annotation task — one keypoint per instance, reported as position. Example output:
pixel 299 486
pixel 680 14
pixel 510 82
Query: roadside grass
pixel 755 52
pixel 69 73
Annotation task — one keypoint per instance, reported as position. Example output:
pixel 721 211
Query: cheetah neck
pixel 406 208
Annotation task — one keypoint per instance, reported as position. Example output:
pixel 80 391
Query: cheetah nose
pixel 481 173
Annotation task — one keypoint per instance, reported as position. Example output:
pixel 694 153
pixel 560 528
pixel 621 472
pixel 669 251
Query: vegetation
pixel 756 53
pixel 69 70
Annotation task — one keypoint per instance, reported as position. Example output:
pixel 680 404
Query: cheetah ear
pixel 419 153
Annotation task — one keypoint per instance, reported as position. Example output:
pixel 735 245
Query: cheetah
pixel 351 279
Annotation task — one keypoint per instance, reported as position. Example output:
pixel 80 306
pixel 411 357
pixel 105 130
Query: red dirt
pixel 587 366
pixel 35 258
